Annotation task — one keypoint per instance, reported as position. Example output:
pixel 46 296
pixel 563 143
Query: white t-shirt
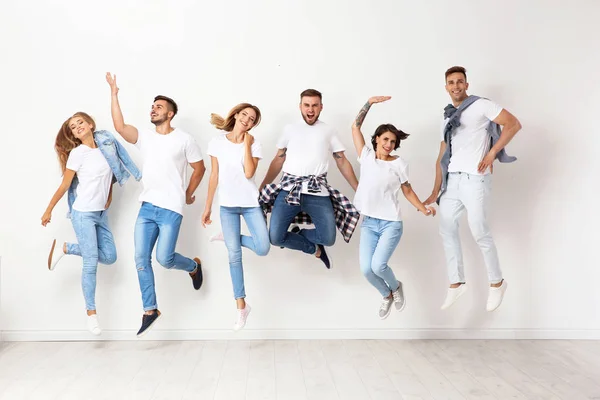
pixel 235 190
pixel 471 141
pixel 377 195
pixel 164 169
pixel 309 148
pixel 94 175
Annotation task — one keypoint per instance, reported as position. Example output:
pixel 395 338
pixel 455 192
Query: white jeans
pixel 470 192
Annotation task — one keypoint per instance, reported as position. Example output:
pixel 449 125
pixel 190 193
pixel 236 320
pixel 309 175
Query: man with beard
pixel 303 194
pixel 166 151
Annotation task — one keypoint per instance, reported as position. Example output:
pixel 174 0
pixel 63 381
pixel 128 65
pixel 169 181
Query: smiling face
pixel 160 112
pixel 245 119
pixel 457 86
pixel 80 128
pixel 386 143
pixel 310 107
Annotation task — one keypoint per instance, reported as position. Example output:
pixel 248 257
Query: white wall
pixel 539 59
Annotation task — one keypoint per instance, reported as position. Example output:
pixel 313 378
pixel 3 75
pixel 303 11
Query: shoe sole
pixel 149 327
pixel 50 255
pixel 457 297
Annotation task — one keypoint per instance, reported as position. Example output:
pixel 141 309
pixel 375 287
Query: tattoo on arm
pixel 362 114
pixel 337 156
pixel 283 152
pixel 407 184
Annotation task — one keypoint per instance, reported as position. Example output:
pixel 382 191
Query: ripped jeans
pixel 155 224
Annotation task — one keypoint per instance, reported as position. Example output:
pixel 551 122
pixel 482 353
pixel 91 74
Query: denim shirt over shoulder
pixel 119 161
pixel 453 115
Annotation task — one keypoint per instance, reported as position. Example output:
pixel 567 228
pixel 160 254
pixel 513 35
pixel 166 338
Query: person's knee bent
pixel 365 268
pixel 108 258
pixel 167 260
pixel 378 268
pixel 263 249
pixel 276 238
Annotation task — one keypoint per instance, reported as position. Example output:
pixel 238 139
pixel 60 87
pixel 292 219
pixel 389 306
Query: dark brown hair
pixel 311 93
pixel 454 69
pixel 172 106
pixel 383 128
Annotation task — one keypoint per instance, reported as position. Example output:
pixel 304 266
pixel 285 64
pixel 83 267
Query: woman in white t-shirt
pixel 382 177
pixel 234 159
pixel 80 157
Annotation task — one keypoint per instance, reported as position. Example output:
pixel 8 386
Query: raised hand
pixel 112 81
pixel 379 99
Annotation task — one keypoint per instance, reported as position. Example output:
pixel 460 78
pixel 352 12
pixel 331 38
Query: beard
pixel 158 120
pixel 311 123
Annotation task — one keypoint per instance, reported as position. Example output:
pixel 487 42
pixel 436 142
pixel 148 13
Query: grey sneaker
pixel 398 296
pixel 386 307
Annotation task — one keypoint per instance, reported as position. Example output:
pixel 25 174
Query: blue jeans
pixel 95 244
pixel 320 210
pixel 155 223
pixel 258 242
pixel 378 240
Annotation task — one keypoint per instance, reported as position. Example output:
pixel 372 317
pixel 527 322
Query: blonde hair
pixel 66 141
pixel 227 124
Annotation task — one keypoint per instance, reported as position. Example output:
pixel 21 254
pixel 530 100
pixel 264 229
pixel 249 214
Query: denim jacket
pixel 454 114
pixel 118 159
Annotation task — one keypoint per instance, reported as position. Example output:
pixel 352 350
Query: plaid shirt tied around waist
pixel 346 215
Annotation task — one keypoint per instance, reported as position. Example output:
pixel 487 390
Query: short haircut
pixel 455 69
pixel 172 105
pixel 311 93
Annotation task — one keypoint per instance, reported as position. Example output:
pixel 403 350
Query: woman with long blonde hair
pixel 90 160
pixel 234 159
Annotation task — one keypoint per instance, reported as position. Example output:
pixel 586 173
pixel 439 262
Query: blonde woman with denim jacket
pixel 91 162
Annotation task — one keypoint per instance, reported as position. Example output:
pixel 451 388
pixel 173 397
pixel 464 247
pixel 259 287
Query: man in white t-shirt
pixel 166 151
pixel 303 154
pixel 470 149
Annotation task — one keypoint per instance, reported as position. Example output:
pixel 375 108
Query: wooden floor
pixel 290 370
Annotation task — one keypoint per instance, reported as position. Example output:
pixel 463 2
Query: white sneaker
pixel 496 295
pixel 218 237
pixel 93 325
pixel 385 307
pixel 453 295
pixel 242 316
pixel 398 296
pixel 56 253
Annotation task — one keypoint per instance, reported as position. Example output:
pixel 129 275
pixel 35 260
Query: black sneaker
pixel 147 321
pixel 324 257
pixel 197 276
pixel 295 229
